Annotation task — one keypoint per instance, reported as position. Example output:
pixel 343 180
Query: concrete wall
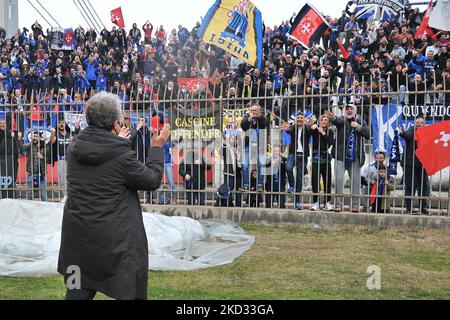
pixel 268 216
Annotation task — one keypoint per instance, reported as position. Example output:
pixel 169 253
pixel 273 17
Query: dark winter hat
pixel 224 192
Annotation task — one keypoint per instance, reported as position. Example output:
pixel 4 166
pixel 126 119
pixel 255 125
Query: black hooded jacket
pixel 103 231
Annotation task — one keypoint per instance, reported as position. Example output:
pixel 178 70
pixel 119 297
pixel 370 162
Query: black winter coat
pixel 410 149
pixel 306 134
pixel 197 172
pixel 103 231
pixel 343 126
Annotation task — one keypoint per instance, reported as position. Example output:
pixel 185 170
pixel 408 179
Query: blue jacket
pixel 81 84
pixel 418 66
pixel 167 157
pixel 5 72
pixel 91 69
pixel 101 83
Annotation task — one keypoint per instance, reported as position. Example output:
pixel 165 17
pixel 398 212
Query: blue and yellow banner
pixel 236 27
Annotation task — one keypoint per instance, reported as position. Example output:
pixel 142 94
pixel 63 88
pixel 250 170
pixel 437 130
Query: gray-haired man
pixel 103 232
pixel 349 154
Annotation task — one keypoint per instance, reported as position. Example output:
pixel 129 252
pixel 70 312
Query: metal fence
pixel 247 145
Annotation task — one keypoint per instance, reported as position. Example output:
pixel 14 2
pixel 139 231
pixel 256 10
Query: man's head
pixel 350 111
pixel 380 157
pixel 61 125
pixel 2 124
pixel 430 55
pixel 300 119
pixel 420 122
pixel 255 110
pixel 36 137
pixel 382 171
pixel 247 79
pixel 104 112
pixel 349 68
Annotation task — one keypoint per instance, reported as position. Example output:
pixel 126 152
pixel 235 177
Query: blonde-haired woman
pixel 322 139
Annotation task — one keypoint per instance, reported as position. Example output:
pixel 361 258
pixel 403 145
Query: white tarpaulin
pixel 30 237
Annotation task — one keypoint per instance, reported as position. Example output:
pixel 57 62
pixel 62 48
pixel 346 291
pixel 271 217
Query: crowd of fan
pixel 376 59
pixel 382 58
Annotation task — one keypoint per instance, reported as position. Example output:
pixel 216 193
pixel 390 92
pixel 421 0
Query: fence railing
pixel 274 149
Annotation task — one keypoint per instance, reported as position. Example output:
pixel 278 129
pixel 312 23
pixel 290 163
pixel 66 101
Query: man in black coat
pixel 194 169
pixel 416 178
pixel 298 152
pixel 103 235
pixel 9 155
pixel 254 124
pixel 348 151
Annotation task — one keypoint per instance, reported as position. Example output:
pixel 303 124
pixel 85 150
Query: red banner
pixel 433 149
pixel 117 17
pixel 308 26
pixel 192 83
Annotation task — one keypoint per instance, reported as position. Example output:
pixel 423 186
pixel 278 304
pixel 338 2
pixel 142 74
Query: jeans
pixel 276 185
pixel 341 98
pixel 400 98
pixel 168 170
pixel 290 164
pixel 246 167
pixel 42 185
pixel 301 171
pixel 62 174
pixel 355 182
pixel 416 180
pixel 193 198
pixel 234 183
pixel 321 170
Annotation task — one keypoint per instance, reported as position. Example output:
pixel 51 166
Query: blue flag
pixel 385 121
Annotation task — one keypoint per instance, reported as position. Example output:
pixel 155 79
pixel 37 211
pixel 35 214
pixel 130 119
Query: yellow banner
pixel 236 27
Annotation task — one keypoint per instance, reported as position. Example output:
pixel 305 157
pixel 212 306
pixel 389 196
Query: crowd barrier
pixel 211 160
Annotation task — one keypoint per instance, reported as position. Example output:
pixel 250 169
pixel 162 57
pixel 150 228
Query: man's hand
pixel 125 133
pixel 354 124
pixel 285 127
pixel 330 115
pixel 78 122
pixel 40 156
pixel 13 134
pixel 321 131
pixel 160 140
pixel 140 124
pixel 52 131
pixel 400 129
pixel 314 127
pixel 187 177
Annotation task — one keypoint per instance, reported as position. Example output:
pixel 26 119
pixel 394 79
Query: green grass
pixel 299 262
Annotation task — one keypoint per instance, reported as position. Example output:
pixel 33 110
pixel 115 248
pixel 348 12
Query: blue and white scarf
pixel 350 151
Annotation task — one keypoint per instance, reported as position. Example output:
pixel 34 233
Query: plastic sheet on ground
pixel 30 235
